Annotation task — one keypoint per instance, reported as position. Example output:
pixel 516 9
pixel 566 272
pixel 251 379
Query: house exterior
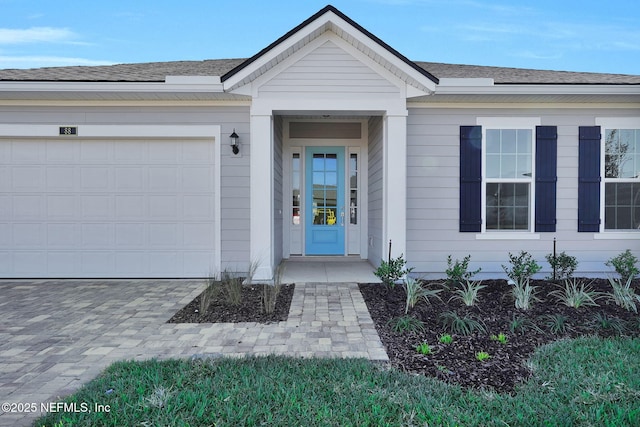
pixel 343 146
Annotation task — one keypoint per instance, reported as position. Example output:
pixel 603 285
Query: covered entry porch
pixel 336 188
pixel 327 69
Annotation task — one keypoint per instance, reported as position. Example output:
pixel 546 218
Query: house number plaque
pixel 68 130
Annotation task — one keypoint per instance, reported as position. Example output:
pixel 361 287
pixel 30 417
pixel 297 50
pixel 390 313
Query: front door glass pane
pixel 325 177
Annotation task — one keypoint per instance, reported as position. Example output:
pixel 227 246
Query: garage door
pixel 106 208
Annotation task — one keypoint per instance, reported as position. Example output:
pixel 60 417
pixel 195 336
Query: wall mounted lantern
pixel 235 144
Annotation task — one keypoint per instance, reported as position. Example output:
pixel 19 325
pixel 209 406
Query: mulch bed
pixel 456 362
pixel 249 310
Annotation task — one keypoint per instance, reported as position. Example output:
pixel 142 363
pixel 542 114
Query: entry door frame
pixel 352 146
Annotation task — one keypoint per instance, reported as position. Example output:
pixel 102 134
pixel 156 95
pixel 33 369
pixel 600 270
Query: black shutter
pixel 589 179
pixel 546 177
pixel 470 178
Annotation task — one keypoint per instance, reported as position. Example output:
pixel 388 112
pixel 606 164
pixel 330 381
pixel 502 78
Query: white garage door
pixel 106 208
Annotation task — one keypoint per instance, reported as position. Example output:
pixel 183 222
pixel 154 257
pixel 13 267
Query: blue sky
pixel 571 35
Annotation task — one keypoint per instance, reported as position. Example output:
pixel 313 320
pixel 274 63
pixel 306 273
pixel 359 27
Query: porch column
pixel 394 192
pixel 261 204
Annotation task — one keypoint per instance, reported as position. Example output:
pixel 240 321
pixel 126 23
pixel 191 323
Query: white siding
pixel 433 195
pixel 375 190
pixel 328 72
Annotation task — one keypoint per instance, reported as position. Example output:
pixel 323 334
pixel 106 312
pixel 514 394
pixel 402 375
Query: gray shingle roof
pixel 157 71
pixel 143 72
pixel 503 75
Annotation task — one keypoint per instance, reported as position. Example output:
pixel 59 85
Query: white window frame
pixel 613 123
pixel 508 123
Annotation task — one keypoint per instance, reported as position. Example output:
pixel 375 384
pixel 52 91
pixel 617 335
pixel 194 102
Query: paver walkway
pixel 57 335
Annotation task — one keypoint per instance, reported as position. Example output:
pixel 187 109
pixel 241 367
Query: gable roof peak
pixel 341 22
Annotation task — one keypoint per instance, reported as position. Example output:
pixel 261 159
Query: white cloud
pixel 9 36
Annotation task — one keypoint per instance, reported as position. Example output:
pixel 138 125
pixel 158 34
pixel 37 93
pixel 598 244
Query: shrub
pixel 458 272
pixel 563 265
pixel 576 296
pixel 523 267
pixel 625 265
pixel 392 270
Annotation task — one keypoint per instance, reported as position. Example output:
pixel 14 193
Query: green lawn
pixel 587 381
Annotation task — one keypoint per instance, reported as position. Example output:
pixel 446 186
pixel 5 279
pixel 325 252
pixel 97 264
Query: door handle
pixel 342 217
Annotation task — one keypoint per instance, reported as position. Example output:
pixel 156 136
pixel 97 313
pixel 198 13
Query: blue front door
pixel 324 186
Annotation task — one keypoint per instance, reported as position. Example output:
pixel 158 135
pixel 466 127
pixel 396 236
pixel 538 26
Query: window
pixel 609 177
pixel 622 179
pixel 508 176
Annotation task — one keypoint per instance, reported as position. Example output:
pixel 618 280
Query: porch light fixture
pixel 235 145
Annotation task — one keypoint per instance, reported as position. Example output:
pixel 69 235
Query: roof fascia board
pixel 389 55
pixel 265 56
